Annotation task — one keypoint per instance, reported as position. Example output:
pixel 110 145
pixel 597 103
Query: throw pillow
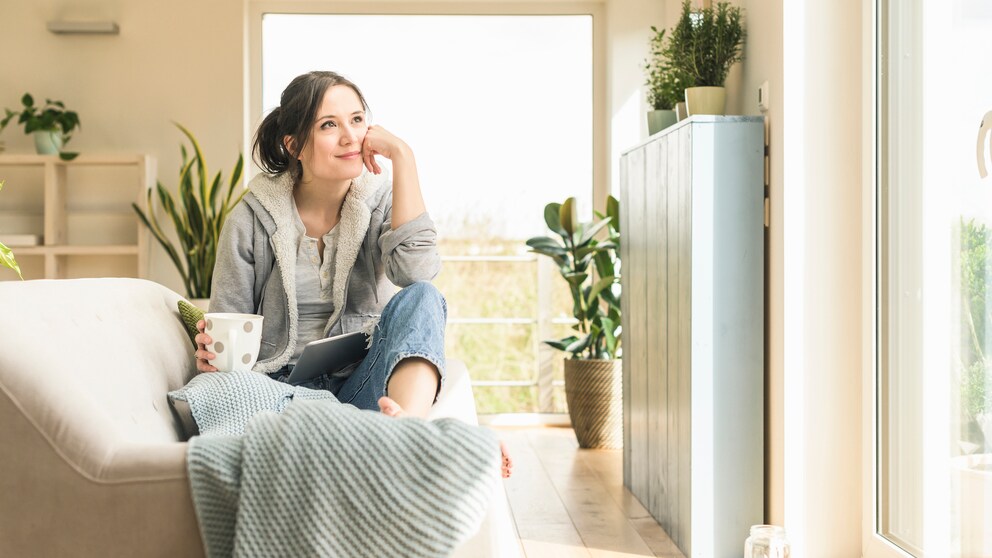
pixel 189 315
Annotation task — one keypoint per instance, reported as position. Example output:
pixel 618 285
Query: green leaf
pixel 7 259
pixel 587 235
pixel 546 243
pixel 235 178
pixel 609 333
pixel 604 264
pixel 598 287
pixel 550 249
pixel 210 203
pixel 613 212
pixel 552 218
pixel 68 155
pixel 27 100
pixel 575 278
pixel 579 345
pixel 562 345
pixel 567 217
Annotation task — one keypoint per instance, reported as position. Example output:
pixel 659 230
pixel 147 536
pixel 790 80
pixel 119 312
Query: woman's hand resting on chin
pixel 378 141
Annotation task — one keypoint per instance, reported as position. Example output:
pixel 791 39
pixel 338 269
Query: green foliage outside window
pixel 976 314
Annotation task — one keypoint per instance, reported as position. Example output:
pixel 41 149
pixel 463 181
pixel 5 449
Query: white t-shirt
pixel 314 280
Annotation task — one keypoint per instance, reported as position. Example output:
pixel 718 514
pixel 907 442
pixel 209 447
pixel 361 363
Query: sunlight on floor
pixel 568 502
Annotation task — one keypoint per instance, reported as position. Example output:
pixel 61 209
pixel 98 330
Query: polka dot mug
pixel 236 339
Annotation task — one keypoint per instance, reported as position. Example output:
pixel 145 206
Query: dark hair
pixel 294 117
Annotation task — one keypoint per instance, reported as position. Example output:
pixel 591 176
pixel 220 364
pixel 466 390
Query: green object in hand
pixel 190 315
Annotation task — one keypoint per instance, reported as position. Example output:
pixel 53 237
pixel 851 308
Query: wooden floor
pixel 568 502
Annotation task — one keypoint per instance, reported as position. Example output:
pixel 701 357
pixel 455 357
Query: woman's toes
pixel 390 408
pixel 507 467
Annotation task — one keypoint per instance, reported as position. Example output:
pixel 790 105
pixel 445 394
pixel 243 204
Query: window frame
pixel 875 179
pixel 600 128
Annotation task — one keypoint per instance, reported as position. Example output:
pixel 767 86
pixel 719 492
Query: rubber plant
pixel 197 217
pixel 591 268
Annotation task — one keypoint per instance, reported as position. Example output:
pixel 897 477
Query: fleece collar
pixel 274 193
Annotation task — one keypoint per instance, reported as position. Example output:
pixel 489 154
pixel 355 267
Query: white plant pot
pixel 706 100
pixel 658 120
pixel 680 112
pixel 972 480
pixel 47 142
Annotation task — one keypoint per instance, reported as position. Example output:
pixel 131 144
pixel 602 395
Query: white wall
pixel 628 34
pixel 179 60
pixel 763 62
pixel 811 54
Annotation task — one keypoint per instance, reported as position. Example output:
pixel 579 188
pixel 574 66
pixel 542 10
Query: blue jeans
pixel 411 325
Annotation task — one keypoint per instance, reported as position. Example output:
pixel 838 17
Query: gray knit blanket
pixel 310 476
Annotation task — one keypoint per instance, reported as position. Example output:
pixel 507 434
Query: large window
pixel 499 111
pixel 934 419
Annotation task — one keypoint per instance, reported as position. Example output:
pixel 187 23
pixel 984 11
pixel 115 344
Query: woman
pixel 318 243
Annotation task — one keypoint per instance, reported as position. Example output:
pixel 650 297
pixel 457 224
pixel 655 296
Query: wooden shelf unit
pixel 55 248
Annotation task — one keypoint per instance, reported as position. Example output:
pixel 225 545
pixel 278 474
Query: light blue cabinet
pixel 692 220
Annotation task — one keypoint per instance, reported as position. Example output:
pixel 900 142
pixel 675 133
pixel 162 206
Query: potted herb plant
pixel 51 125
pixel 705 44
pixel 197 218
pixel 591 268
pixel 6 255
pixel 666 84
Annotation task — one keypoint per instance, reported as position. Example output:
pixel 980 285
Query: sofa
pixel 93 456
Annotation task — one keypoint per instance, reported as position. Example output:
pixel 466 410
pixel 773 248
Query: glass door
pixel 934 268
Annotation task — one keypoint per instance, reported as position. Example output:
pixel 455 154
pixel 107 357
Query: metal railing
pixel 544 380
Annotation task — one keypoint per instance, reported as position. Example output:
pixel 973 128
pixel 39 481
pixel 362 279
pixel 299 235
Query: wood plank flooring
pixel 568 502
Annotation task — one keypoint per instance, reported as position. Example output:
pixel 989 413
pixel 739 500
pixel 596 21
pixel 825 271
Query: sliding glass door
pixel 934 268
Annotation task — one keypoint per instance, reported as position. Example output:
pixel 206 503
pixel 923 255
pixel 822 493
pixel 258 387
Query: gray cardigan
pixel 256 261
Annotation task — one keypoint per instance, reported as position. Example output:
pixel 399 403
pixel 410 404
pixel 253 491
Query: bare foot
pixel 390 408
pixel 507 467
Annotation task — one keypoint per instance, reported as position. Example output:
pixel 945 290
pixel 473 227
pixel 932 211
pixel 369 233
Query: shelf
pixel 77 250
pixel 59 218
pixel 84 159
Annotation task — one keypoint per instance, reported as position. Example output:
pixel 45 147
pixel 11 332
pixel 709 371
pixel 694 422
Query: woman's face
pixel 334 151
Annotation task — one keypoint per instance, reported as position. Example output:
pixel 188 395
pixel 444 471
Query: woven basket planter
pixel 594 392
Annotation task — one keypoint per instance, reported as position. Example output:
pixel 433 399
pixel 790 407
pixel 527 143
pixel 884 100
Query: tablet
pixel 329 355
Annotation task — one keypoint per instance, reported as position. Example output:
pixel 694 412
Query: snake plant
pixel 197 217
pixel 595 297
pixel 7 256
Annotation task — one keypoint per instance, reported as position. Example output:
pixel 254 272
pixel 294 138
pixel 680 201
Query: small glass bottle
pixel 766 541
